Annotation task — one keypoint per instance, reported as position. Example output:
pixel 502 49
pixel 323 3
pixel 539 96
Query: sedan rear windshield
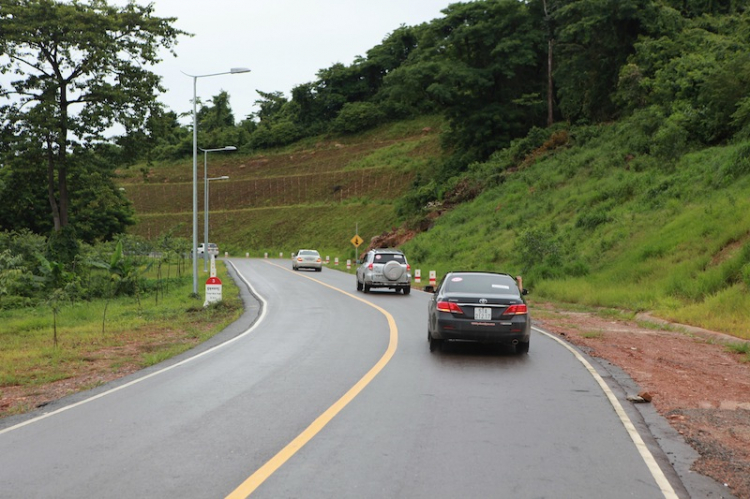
pixel 481 283
pixel 308 252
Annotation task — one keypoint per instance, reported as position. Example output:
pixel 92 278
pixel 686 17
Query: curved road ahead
pixel 333 393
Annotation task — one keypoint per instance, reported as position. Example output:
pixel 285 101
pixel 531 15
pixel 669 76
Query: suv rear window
pixel 387 257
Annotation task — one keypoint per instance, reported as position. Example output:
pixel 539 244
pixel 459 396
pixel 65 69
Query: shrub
pixel 669 143
pixel 535 246
pixel 592 220
pixel 276 134
pixel 357 116
pixel 738 166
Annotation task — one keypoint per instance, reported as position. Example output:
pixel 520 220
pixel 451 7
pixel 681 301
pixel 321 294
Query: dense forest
pixel 505 75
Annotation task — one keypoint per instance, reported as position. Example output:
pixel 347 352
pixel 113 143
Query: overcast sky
pixel 284 42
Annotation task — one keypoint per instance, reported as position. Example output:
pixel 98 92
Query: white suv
pixel 384 268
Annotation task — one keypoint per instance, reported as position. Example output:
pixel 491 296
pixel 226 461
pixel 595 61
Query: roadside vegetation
pixel 620 180
pixel 97 336
pixel 595 225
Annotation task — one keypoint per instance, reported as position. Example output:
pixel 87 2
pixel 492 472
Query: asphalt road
pixel 333 393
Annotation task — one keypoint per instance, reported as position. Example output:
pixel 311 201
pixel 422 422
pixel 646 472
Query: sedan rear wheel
pixel 359 285
pixel 366 287
pixel 522 347
pixel 434 343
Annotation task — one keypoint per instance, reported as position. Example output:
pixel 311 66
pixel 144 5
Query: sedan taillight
pixel 369 267
pixel 518 309
pixel 449 307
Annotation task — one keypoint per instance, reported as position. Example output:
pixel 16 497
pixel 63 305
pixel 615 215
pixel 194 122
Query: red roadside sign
pixel 213 281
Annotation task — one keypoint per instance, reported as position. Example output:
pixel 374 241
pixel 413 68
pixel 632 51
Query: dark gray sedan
pixel 486 307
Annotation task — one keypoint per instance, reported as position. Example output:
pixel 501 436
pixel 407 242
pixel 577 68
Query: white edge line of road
pixel 653 466
pixel 155 373
pixel 649 459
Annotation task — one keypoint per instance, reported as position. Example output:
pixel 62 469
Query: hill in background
pixel 312 194
pixel 577 214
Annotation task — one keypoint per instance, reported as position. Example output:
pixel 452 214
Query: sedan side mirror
pixel 429 289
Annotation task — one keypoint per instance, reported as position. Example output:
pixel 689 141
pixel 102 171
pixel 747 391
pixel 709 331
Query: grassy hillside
pixel 312 194
pixel 594 225
pixel 582 218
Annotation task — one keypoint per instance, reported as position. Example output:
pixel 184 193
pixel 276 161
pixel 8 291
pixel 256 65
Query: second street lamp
pixel 205 199
pixel 195 168
pixel 205 226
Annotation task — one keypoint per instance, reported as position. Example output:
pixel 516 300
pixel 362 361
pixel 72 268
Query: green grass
pixel 583 229
pixel 143 335
pixel 312 194
pixel 589 226
pixel 594 335
pixel 589 223
pixel 741 349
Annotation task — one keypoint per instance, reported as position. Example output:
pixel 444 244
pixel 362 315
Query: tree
pixel 163 138
pixel 217 116
pixel 270 105
pixel 61 286
pixel 697 75
pixel 550 31
pixel 124 273
pixel 98 210
pixel 216 126
pixel 357 116
pixel 276 125
pixel 79 69
pixel 483 66
pixel 593 40
pixel 23 195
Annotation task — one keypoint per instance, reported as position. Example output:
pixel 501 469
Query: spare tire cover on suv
pixel 393 270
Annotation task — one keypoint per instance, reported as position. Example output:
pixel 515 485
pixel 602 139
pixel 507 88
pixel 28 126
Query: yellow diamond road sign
pixel 356 241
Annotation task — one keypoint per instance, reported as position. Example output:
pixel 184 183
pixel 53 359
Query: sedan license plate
pixel 482 314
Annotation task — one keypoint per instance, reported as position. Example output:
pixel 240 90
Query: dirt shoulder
pixel 701 388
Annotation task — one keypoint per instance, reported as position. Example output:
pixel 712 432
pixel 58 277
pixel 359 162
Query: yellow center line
pixel 256 479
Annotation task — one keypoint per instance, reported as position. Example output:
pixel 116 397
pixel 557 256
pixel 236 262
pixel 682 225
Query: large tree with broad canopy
pixel 76 69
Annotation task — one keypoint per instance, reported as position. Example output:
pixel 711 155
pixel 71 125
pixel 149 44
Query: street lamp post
pixel 206 180
pixel 195 168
